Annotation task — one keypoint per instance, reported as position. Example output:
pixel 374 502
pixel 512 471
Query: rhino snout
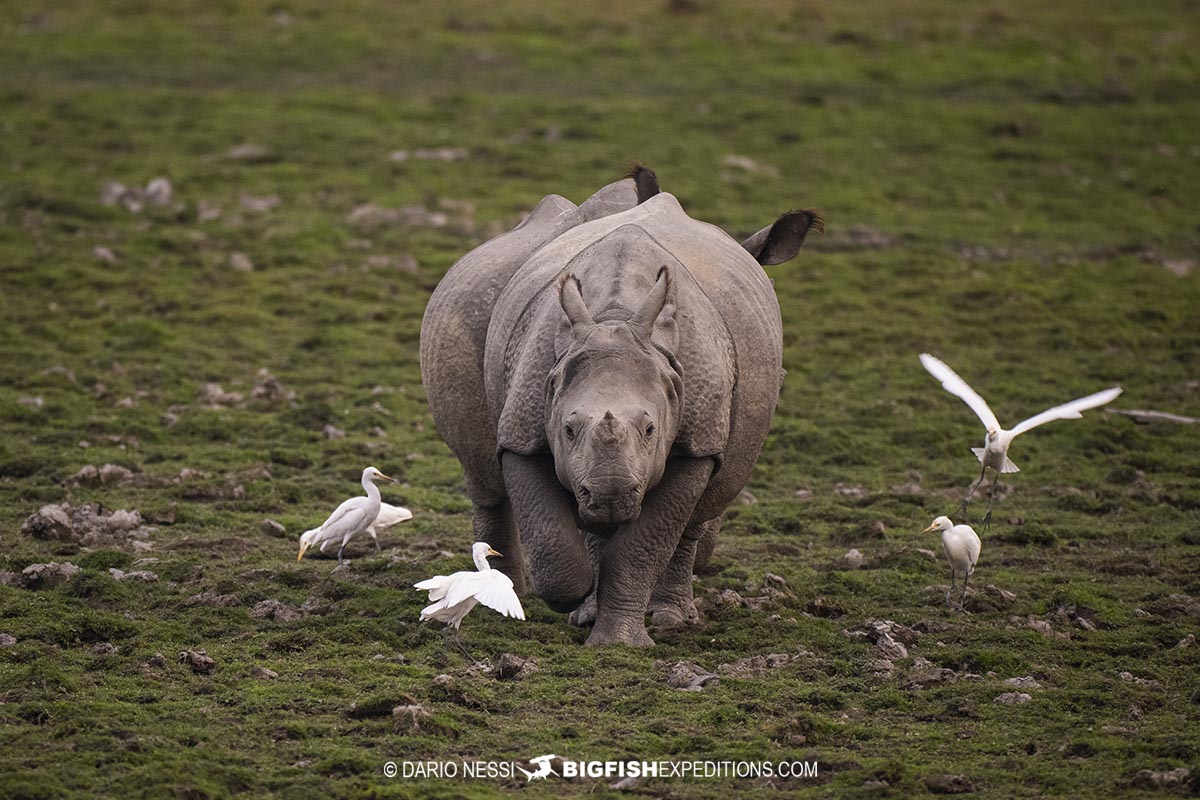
pixel 609 504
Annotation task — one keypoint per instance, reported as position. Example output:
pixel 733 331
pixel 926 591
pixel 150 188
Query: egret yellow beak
pixel 387 478
pixel 303 547
pixel 492 552
pixel 930 528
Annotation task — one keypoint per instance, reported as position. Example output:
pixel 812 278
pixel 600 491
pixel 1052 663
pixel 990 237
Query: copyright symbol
pixel 389 769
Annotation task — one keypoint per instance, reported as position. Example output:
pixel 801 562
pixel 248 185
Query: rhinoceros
pixel 606 374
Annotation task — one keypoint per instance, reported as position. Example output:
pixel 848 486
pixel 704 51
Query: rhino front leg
pixel 494 525
pixel 559 566
pixel 638 554
pixel 586 613
pixel 672 604
pixel 707 543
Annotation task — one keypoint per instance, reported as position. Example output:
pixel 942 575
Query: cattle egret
pixel 961 544
pixel 389 516
pixel 994 452
pixel 353 517
pixel 455 595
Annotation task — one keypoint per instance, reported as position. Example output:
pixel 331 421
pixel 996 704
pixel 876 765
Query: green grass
pixel 1006 186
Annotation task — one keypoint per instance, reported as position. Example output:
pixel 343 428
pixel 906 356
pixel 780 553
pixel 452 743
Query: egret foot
pixel 962 510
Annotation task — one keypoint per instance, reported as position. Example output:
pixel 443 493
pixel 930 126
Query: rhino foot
pixel 669 616
pixel 630 632
pixel 586 614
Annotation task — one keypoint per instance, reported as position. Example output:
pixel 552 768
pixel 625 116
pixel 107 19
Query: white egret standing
pixel 994 452
pixel 389 516
pixel 961 545
pixel 351 518
pixel 455 595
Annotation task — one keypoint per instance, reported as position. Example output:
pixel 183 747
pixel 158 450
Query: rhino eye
pixel 570 430
pixel 650 429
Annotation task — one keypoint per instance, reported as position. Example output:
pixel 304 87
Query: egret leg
pixel 962 509
pixel 963 597
pixel 376 540
pixel 987 518
pixel 340 549
pixel 950 591
pixel 451 635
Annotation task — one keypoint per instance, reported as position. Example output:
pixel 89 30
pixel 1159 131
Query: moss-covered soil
pixel 1011 186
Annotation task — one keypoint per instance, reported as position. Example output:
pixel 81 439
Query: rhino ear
pixel 643 320
pixel 645 180
pixel 666 330
pixel 571 298
pixel 780 241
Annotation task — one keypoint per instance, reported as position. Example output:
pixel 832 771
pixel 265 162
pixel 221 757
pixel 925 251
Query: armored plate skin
pixel 656 335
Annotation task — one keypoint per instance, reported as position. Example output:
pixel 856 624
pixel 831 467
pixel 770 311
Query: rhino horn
pixel 643 320
pixel 571 297
pixel 607 429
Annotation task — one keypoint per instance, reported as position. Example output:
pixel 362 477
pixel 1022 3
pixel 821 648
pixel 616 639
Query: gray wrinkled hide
pixel 493 330
pixel 731 355
pixel 455 327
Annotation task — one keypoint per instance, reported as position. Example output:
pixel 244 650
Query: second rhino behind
pixel 606 373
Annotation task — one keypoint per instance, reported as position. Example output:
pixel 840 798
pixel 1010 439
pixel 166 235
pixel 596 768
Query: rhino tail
pixel 645 180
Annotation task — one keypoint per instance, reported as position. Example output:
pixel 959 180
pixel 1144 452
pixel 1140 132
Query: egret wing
pixel 1069 410
pixel 462 585
pixel 497 594
pixel 973 548
pixel 436 586
pixel 390 515
pixel 352 523
pixel 955 385
pixel 491 587
pixel 341 511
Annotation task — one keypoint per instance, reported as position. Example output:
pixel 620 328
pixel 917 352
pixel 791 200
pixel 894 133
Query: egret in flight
pixel 455 595
pixel 353 517
pixel 994 452
pixel 961 544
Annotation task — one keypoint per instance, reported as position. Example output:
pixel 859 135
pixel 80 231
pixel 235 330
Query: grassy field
pixel 1009 186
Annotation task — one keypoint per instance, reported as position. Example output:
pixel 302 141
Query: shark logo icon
pixel 543 768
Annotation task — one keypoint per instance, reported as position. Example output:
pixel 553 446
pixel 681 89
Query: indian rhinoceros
pixel 606 373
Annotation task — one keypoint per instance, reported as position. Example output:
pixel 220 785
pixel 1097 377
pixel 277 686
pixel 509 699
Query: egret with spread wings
pixel 455 595
pixel 994 452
